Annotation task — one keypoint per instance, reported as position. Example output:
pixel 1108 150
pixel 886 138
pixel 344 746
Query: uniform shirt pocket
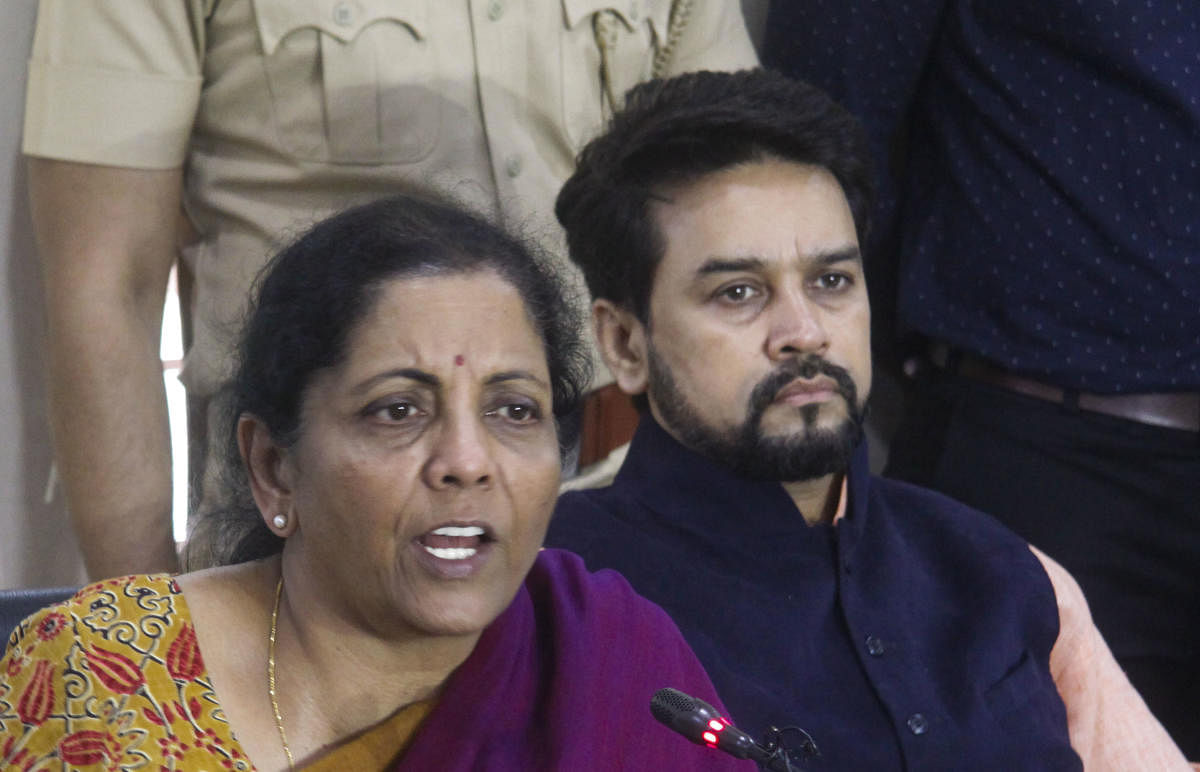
pixel 608 47
pixel 351 81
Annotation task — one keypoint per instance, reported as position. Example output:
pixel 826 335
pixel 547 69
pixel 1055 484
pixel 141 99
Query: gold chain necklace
pixel 271 674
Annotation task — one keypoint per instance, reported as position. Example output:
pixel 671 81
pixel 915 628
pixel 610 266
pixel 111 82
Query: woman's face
pixel 427 465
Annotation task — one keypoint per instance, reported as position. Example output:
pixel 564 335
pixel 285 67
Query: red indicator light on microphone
pixel 716 724
pixel 710 738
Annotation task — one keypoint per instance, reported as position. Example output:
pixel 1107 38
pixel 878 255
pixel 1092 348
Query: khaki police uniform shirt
pixel 283 111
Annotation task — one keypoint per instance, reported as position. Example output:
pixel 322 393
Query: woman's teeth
pixel 450 553
pixel 453 542
pixel 458 530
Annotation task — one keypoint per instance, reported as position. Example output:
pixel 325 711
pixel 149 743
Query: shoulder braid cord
pixel 604 28
pixel 681 11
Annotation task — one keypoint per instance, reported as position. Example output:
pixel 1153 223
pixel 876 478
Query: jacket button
pixel 917 724
pixel 875 646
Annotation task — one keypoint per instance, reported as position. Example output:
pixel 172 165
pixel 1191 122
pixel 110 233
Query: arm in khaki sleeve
pixel 107 240
pixel 1111 728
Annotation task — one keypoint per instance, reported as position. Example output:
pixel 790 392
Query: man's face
pixel 758 341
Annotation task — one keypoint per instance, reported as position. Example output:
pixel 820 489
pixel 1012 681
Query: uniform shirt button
pixel 495 10
pixel 875 646
pixel 918 724
pixel 343 14
pixel 513 166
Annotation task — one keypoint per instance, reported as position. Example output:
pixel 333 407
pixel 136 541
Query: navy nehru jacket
pixel 1044 210
pixel 914 634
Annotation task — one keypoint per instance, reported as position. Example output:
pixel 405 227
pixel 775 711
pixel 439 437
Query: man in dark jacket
pixel 718 225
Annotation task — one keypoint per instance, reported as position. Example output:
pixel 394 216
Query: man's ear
pixel 269 472
pixel 621 337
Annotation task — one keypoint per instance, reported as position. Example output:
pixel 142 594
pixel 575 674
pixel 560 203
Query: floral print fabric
pixel 112 679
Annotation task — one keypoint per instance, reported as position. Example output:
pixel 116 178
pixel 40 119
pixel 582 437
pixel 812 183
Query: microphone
pixel 699 722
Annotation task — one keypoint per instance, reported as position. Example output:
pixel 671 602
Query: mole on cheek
pixel 458 359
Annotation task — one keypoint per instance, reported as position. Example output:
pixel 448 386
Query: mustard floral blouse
pixel 112 679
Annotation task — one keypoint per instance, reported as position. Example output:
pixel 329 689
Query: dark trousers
pixel 1115 502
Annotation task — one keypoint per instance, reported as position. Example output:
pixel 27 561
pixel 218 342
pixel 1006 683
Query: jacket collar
pixel 697 494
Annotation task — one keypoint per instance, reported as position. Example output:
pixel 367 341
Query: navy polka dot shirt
pixel 1041 208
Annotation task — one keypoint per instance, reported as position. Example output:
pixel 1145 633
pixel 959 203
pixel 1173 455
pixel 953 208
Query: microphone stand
pixel 778 758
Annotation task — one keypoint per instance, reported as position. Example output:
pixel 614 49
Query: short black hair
pixel 310 297
pixel 676 130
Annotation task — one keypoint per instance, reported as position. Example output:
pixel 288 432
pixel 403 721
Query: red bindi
pixel 458 359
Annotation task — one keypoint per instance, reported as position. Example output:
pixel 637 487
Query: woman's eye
pixel 518 413
pixel 395 411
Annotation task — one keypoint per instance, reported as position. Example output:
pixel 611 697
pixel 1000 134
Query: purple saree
pixel 562 680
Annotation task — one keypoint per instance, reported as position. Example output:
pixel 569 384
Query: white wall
pixel 36 544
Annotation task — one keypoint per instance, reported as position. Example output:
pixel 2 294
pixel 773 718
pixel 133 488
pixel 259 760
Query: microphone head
pixel 701 723
pixel 667 704
pixel 683 713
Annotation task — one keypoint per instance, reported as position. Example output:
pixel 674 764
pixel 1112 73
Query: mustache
pixel 806 367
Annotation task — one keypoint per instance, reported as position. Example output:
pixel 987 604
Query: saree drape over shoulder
pixel 562 680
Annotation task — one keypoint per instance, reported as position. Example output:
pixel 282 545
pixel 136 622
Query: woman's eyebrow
pixel 515 375
pixel 410 373
pixel 431 380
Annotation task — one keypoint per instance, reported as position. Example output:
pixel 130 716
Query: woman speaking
pixel 381 601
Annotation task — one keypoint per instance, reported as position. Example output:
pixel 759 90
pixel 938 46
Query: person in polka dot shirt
pixel 1036 274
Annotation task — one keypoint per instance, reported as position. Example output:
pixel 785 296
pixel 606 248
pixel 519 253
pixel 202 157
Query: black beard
pixel 806 456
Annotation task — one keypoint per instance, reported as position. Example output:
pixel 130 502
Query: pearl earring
pixel 280 521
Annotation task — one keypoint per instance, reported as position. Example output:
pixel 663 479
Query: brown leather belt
pixel 1173 410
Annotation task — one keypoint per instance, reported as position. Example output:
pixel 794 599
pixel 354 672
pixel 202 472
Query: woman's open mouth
pixel 456 551
pixel 454 542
